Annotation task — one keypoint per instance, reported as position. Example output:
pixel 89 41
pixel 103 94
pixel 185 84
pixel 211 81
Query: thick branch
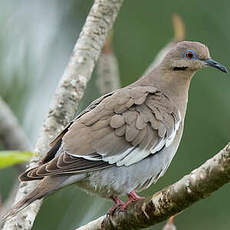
pixel 69 92
pixel 199 184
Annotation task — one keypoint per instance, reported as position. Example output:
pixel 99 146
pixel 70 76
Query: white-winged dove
pixel 125 140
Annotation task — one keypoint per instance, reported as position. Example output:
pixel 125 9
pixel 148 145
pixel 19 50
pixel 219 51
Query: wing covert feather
pixel 140 117
pixel 120 128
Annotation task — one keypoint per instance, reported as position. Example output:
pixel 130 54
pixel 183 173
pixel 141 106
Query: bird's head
pixel 189 56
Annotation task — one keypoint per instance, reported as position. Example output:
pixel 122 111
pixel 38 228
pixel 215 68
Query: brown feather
pixel 139 116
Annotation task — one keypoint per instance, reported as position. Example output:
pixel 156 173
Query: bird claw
pixel 132 197
pixel 118 203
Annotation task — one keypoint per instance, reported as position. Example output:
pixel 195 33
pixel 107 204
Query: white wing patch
pixel 170 139
pixel 138 154
pixel 118 157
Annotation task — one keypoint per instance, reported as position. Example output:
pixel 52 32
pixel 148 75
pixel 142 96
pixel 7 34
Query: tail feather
pixel 45 187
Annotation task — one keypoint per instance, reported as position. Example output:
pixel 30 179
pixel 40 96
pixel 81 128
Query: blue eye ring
pixel 190 55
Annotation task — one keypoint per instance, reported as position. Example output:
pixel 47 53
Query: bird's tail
pixel 46 186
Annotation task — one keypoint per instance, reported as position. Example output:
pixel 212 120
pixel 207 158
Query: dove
pixel 125 140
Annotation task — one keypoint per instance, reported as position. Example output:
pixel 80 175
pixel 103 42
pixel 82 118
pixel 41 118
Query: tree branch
pixel 197 185
pixel 107 69
pixel 12 135
pixel 68 94
pixel 179 35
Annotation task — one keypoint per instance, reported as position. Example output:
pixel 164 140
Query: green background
pixel 36 40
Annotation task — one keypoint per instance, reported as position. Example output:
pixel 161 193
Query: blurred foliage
pixel 36 42
pixel 9 158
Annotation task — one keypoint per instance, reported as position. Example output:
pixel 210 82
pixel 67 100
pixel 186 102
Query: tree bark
pixel 68 94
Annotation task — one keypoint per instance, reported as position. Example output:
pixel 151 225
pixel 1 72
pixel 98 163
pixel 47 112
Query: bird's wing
pixel 56 143
pixel 119 129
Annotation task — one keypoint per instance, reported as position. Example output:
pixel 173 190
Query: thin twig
pixel 170 224
pixel 179 35
pixel 69 92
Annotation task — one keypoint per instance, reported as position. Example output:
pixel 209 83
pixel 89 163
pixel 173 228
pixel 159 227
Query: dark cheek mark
pixel 179 68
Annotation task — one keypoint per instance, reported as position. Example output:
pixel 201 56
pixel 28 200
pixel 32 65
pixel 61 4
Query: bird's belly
pixel 121 180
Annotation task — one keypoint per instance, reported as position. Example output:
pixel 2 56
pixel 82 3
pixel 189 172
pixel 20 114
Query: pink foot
pixel 132 197
pixel 118 203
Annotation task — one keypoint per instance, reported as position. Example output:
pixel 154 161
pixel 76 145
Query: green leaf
pixel 8 158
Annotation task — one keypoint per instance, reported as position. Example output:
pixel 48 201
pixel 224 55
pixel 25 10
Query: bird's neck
pixel 175 84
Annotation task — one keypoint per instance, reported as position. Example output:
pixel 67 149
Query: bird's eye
pixel 190 54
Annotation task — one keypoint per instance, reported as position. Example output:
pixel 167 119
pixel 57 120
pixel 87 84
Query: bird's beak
pixel 215 64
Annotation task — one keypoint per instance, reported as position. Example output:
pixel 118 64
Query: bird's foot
pixel 118 203
pixel 132 197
